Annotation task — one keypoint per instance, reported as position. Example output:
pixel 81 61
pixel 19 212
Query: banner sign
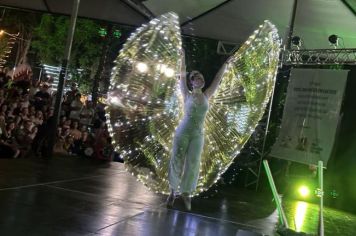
pixel 311 115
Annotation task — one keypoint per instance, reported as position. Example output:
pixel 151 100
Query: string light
pixel 145 103
pixel 141 67
pixel 169 72
pixel 7 44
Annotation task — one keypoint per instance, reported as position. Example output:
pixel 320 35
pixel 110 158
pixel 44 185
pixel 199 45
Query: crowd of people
pixel 26 110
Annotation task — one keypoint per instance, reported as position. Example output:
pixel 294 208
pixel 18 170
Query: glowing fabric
pixel 145 103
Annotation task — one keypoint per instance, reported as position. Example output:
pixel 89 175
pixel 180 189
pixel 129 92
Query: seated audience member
pixel 87 114
pixel 24 113
pixel 10 110
pixel 74 131
pixel 8 146
pixel 38 119
pixel 42 97
pixel 32 110
pixel 3 109
pixel 75 108
pixel 24 101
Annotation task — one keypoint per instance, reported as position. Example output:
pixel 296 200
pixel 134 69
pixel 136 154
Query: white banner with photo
pixel 311 115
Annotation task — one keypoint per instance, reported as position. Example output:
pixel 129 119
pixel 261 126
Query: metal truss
pixel 319 57
pixel 345 56
pixel 226 48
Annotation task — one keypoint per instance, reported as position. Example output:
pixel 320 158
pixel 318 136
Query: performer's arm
pixel 183 77
pixel 215 84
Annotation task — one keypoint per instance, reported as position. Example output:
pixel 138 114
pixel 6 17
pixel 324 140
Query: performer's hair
pixel 192 73
pixel 189 74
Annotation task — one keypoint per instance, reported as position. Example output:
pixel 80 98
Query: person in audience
pixel 74 131
pixel 18 121
pixel 69 98
pixel 2 93
pixel 26 113
pixel 2 125
pixel 8 147
pixel 3 110
pixel 2 79
pixel 7 150
pixel 42 97
pixel 32 110
pixel 25 101
pixel 87 113
pixel 71 94
pixel 75 108
pixel 10 111
pixel 62 120
pixel 38 119
pixel 66 126
pixel 39 144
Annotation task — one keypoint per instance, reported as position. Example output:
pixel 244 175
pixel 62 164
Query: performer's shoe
pixel 170 199
pixel 187 201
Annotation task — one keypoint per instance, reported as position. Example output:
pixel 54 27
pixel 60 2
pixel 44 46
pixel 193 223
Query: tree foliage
pixel 49 42
pixel 51 35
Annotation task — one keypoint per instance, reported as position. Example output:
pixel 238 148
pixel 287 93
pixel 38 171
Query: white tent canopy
pixel 229 20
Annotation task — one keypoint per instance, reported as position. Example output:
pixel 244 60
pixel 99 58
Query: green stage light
pixel 299 217
pixel 334 193
pixel 117 34
pixel 102 32
pixel 303 191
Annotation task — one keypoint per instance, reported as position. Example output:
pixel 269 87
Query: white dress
pixel 188 144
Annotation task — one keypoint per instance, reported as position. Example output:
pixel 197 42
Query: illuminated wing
pixel 239 102
pixel 143 99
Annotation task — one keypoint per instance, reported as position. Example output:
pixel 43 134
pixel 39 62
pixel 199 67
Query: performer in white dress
pixel 188 140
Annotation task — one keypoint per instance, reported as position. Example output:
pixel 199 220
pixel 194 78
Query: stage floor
pixel 74 196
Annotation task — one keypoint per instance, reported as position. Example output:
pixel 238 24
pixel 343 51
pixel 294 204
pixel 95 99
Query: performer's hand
pixel 182 53
pixel 229 60
pixel 183 58
pixel 183 69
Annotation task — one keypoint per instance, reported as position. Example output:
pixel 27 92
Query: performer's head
pixel 196 79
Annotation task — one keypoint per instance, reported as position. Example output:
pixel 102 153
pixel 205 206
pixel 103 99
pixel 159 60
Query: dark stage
pixel 74 196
